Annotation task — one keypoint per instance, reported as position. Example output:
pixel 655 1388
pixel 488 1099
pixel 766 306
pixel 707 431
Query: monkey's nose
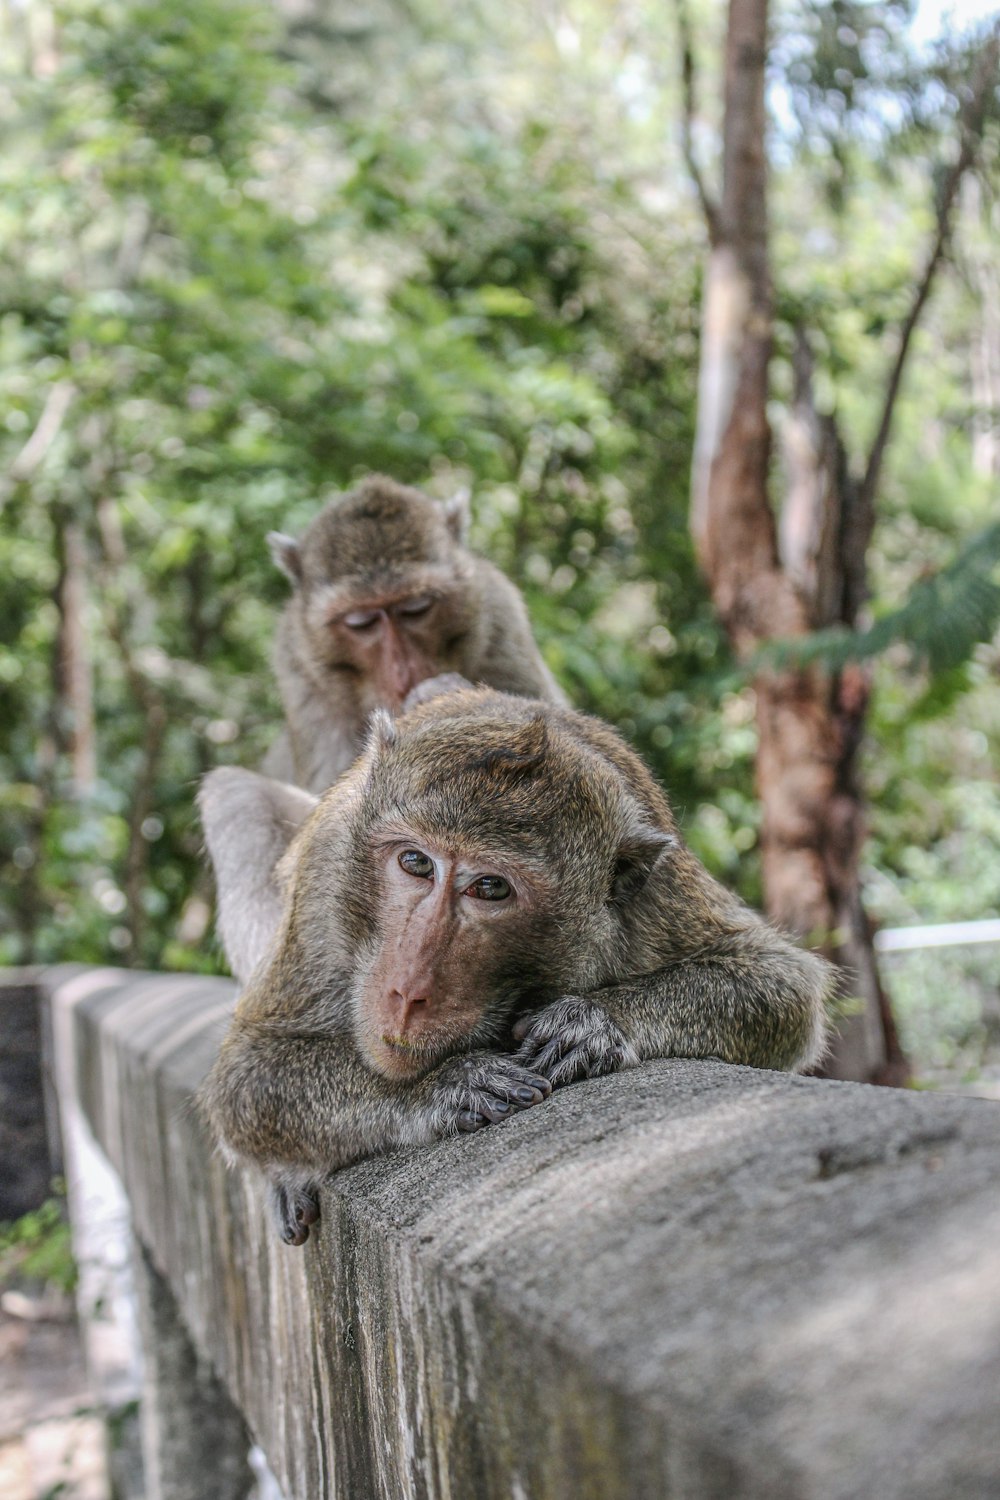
pixel 410 1005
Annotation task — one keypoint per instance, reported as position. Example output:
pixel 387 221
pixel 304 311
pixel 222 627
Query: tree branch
pixel 971 135
pixel 74 675
pixel 709 207
pixel 47 429
pixel 123 603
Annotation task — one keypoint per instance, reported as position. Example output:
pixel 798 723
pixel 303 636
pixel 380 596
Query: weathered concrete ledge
pixel 689 1280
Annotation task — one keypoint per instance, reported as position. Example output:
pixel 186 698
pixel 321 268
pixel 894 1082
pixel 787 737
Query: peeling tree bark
pixel 732 521
pixel 810 720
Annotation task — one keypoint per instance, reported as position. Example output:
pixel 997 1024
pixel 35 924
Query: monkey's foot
pixel 570 1039
pixel 482 1089
pixel 294 1210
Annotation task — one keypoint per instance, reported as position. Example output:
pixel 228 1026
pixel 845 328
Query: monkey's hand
pixel 572 1038
pixel 435 687
pixel 480 1089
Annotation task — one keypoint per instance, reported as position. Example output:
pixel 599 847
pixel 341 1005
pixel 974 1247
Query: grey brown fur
pixel 632 952
pixel 386 541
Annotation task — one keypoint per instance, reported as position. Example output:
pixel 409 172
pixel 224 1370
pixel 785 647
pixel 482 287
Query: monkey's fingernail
pixel 468 1121
pixel 543 1085
pixel 526 1094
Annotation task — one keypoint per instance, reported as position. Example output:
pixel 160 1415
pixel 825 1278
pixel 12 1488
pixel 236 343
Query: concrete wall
pixel 689 1280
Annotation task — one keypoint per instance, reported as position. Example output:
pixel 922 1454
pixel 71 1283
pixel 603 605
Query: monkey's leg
pixel 295 1208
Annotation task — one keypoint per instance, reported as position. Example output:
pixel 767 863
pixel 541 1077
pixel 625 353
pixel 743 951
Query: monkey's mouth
pixel 403 1043
pixel 402 1057
pixel 406 1058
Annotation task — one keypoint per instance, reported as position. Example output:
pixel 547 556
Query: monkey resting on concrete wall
pixel 492 902
pixel 385 594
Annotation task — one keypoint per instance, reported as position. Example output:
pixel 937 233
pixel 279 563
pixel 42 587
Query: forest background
pixel 251 252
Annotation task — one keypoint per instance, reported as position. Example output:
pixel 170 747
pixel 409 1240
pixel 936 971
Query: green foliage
pixel 948 869
pixel 37 1247
pixel 190 77
pixel 253 297
pixel 247 255
pixel 947 614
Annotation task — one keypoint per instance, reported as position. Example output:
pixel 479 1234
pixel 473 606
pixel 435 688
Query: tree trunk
pixel 981 267
pixel 74 673
pixel 809 720
pixel 810 725
pixel 123 607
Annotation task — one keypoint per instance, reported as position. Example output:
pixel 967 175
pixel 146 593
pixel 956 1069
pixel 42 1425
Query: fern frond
pixel 944 618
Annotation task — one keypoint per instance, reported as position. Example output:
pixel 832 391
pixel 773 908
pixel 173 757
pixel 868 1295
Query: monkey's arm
pixel 760 1003
pixel 320 739
pixel 301 1105
pixel 298 1107
pixel 248 821
pixel 506 655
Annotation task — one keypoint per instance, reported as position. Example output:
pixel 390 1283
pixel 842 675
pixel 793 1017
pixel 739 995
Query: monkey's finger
pixel 543 1057
pixel 527 1053
pixel 522 1027
pixel 525 1096
pixel 468 1121
pixel 584 1062
pixel 580 1062
pixel 495 1110
pixel 526 1088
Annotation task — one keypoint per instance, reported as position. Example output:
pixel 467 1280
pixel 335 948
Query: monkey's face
pixel 383 643
pixel 447 966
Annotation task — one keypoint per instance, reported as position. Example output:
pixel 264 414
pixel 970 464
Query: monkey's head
pixel 381 582
pixel 480 859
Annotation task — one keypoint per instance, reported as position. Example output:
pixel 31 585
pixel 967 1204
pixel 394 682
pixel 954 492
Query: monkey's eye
pixel 489 888
pixel 418 605
pixel 360 619
pixel 415 863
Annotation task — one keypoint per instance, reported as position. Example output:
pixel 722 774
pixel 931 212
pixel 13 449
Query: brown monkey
pixel 539 823
pixel 493 901
pixel 386 594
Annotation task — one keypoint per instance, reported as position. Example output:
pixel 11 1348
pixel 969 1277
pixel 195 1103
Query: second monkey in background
pixel 386 595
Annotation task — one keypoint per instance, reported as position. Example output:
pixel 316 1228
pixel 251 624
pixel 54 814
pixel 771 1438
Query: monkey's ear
pixel 249 822
pixel 456 514
pixel 638 856
pixel 381 731
pixel 287 555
